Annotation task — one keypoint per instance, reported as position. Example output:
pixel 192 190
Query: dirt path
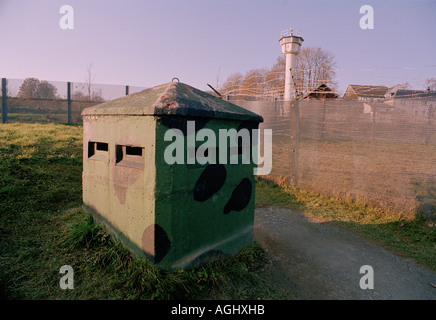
pixel 322 261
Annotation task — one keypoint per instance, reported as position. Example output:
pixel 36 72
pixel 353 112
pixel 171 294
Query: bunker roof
pixel 173 99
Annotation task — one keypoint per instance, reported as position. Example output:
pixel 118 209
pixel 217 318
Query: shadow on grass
pixel 237 277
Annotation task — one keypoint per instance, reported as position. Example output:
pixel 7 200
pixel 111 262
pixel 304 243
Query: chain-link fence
pixel 383 153
pixel 38 101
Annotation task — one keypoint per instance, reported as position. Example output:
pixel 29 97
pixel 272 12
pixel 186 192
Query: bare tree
pixel 232 84
pixel 314 67
pixel 86 92
pixel 79 96
pixel 253 84
pixel 89 81
pixel 275 79
pixel 97 96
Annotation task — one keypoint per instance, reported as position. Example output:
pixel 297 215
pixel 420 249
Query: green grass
pixel 37 118
pixel 126 277
pixel 405 235
pixel 43 227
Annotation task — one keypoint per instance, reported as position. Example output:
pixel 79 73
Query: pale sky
pixel 147 43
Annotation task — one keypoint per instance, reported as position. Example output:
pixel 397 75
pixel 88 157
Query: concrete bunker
pixel 174 214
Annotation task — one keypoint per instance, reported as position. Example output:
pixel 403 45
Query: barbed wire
pixel 271 82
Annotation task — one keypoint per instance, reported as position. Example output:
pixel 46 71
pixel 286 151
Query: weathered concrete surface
pixel 123 195
pixel 176 99
pixel 322 261
pixel 176 213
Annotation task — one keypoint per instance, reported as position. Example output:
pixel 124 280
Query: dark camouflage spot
pixel 240 197
pixel 210 181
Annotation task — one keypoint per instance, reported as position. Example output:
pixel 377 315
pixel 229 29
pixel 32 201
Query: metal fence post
pixel 429 126
pixel 4 101
pixel 294 108
pixel 323 120
pixel 69 101
pixel 373 124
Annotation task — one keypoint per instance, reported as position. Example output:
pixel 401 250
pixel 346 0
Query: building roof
pixel 321 92
pixel 367 91
pixel 414 94
pixel 173 99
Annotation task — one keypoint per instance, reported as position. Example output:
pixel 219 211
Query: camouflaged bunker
pixel 175 214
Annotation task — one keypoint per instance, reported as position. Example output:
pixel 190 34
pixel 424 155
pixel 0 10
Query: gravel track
pixel 322 261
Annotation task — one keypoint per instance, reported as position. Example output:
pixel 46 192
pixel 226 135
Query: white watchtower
pixel 291 46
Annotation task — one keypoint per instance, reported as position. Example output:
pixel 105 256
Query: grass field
pixel 42 227
pixel 45 110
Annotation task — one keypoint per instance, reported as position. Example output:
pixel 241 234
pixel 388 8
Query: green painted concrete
pixel 149 204
pixel 194 225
